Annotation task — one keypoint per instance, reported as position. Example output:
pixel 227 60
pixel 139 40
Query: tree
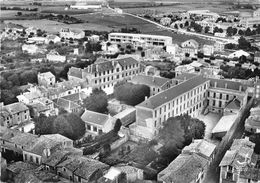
pixel 234 31
pixel 207 28
pixel 241 32
pixel 97 101
pixel 229 31
pixel 131 94
pixel 176 26
pixel 19 13
pixel 181 26
pixel 243 43
pixel 186 24
pixel 248 32
pixel 216 29
pixel 70 125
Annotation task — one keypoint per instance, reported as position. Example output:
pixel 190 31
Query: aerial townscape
pixel 130 91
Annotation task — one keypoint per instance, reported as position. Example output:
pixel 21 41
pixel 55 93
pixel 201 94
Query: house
pixel 37 40
pixel 67 105
pixel 155 83
pixel 30 97
pixel 252 123
pixel 257 57
pixel 105 74
pixel 41 149
pixel 190 43
pixel 94 38
pixel 184 69
pixel 42 106
pixel 238 54
pixel 233 107
pixel 13 114
pixel 30 48
pixel 166 21
pixel 31 30
pixel 54 56
pixel 239 157
pixel 98 123
pixel 46 79
pixel 26 126
pixel 52 38
pixel 81 169
pixel 126 116
pixel 208 50
pixel 184 169
pixel 114 174
pixel 202 148
pixel 219 46
pixel 74 34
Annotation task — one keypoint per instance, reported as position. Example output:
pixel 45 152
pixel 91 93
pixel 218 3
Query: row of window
pixel 218 95
pixel 30 158
pixel 104 73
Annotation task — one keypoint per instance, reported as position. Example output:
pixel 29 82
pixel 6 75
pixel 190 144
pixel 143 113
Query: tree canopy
pixel 97 101
pixel 68 124
pixel 131 94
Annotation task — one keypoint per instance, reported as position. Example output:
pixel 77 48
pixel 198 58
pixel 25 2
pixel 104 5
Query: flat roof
pixel 140 35
pixel 224 124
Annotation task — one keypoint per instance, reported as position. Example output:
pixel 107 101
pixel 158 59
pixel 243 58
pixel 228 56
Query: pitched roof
pixel 19 166
pixel 184 169
pixel 185 76
pixel 96 118
pixel 200 146
pixel 250 173
pixel 234 104
pixel 56 158
pixel 127 61
pixel 89 166
pixel 251 122
pixel 173 92
pixel 224 83
pixel 46 74
pixel 66 104
pixel 149 80
pixel 75 72
pixel 16 107
pixel 24 139
pixel 39 107
pixel 127 169
pixel 57 137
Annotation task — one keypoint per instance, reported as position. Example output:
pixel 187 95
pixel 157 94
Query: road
pixel 236 132
pixel 208 37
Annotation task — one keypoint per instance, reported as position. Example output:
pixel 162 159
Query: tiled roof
pixel 150 80
pixel 185 76
pixel 173 92
pixel 32 95
pixel 76 72
pixel 71 163
pixel 67 85
pixel 221 83
pixel 257 54
pixel 16 107
pixel 57 137
pixel 200 146
pixel 234 104
pixel 46 75
pixel 73 97
pixel 228 158
pixel 184 169
pixel 56 158
pixel 96 118
pixel 127 61
pixel 250 173
pixel 19 166
pixel 24 139
pixel 89 166
pixel 127 169
pixel 40 107
pixel 251 122
pixel 66 104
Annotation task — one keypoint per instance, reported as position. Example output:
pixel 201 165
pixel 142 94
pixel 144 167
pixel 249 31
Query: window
pixel 25 157
pixel 64 169
pixel 227 97
pixel 155 123
pixel 220 95
pixel 95 129
pixel 88 127
pixel 229 176
pixel 230 168
pixel 37 160
pixel 213 102
pixel 117 69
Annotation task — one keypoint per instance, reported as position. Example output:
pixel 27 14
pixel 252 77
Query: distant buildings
pixel 75 34
pixel 54 56
pixel 46 79
pixel 142 40
pixel 252 123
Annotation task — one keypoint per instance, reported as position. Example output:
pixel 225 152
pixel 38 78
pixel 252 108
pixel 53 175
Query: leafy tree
pixel 216 29
pixel 248 32
pixel 207 28
pixel 97 101
pixel 19 13
pixel 69 125
pixel 186 24
pixel 176 26
pixel 229 31
pixel 234 31
pixel 131 94
pixel 241 32
pixel 243 44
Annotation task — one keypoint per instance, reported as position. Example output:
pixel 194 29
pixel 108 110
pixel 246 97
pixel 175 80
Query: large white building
pixel 143 40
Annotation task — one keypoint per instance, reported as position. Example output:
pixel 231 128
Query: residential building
pixel 238 54
pixel 204 14
pixel 202 148
pixel 132 174
pixel 30 97
pixel 155 83
pixel 13 114
pixel 184 69
pixel 250 175
pixel 185 168
pixel 98 123
pixel 142 40
pixel 67 105
pixel 208 50
pixel 30 48
pixel 166 21
pixel 239 157
pixel 105 74
pixel 190 43
pixel 75 34
pixel 81 169
pixel 37 40
pixel 252 123
pixel 46 79
pixel 222 91
pixel 54 56
pixel 219 46
pixel 187 97
pixel 256 13
pixel 52 38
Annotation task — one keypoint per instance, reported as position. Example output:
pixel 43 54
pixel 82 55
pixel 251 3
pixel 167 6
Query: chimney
pixel 215 85
pixel 226 85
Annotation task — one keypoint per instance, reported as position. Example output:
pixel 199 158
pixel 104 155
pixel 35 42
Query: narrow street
pixel 235 132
